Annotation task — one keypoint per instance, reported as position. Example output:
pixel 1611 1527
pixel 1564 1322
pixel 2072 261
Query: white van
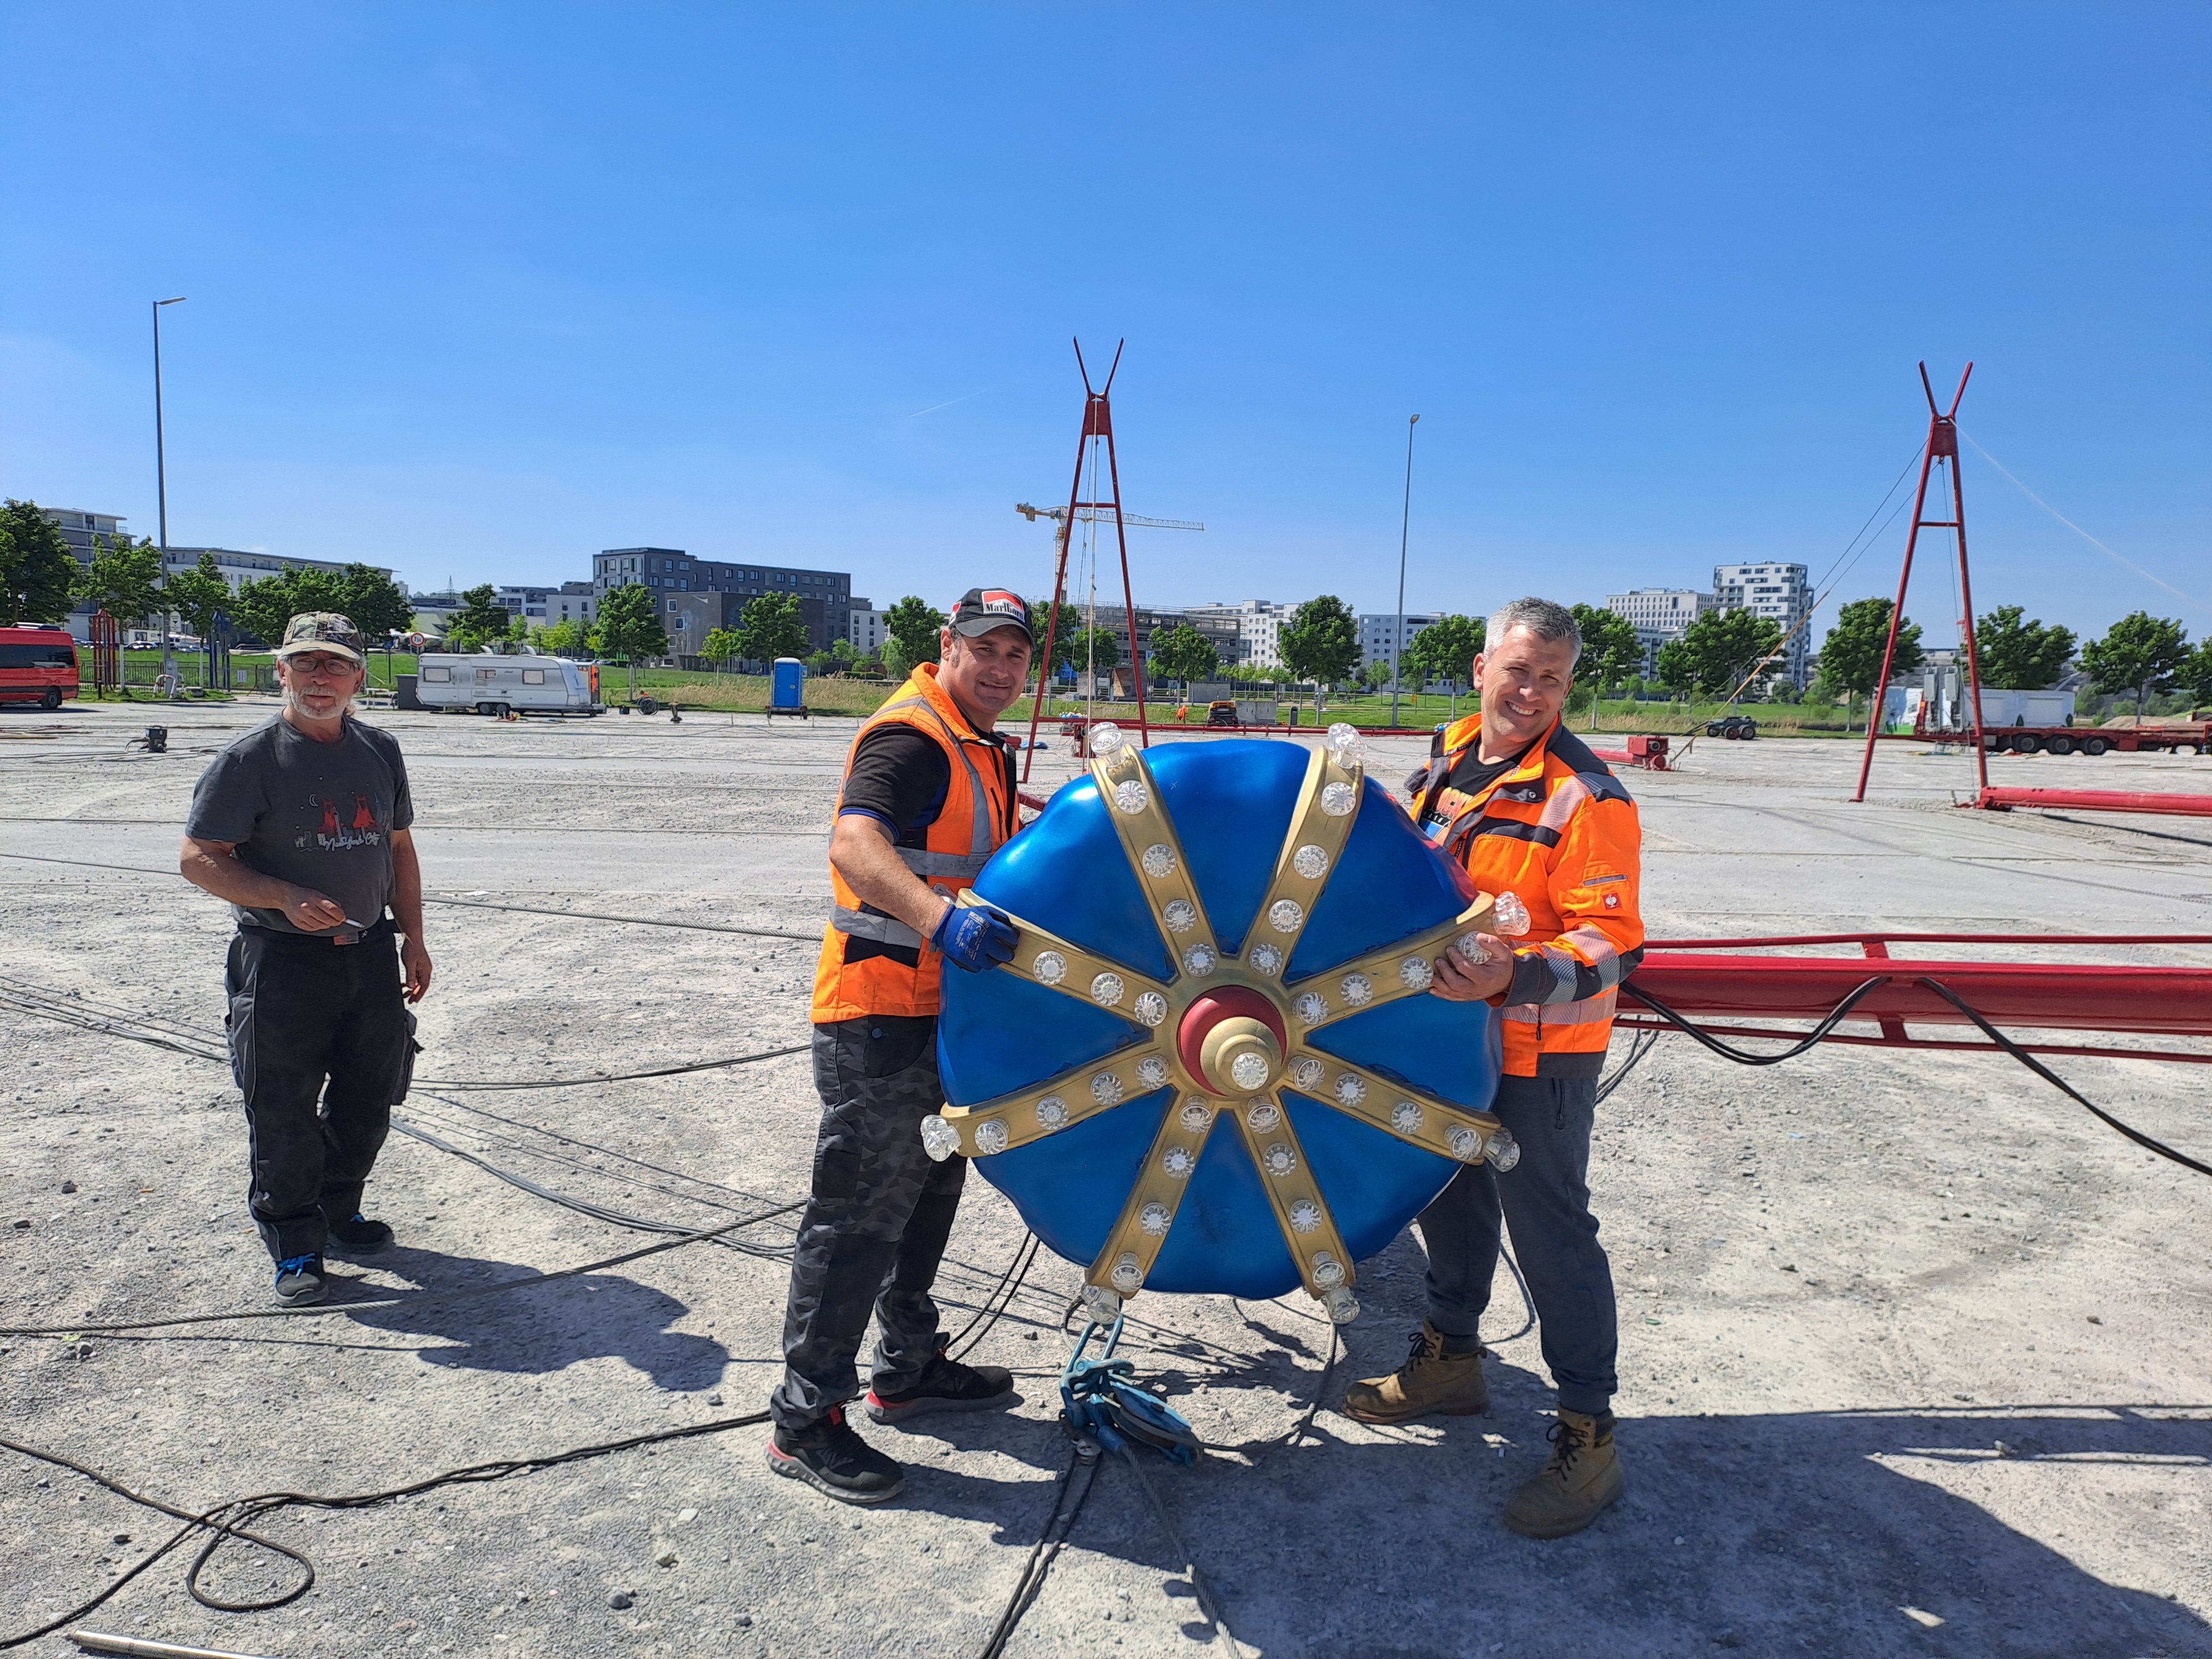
pixel 493 684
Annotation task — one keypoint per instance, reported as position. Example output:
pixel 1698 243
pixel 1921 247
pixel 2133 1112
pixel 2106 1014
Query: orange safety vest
pixel 1560 834
pixel 872 962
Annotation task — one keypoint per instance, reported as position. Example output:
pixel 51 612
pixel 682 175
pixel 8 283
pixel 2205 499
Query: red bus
pixel 38 664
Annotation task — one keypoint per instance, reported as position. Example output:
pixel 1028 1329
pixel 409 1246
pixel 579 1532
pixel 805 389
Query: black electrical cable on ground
pixel 325 1309
pixel 1002 1294
pixel 2059 1083
pixel 230 1520
pixel 1058 1524
pixel 2002 1041
pixel 1744 1056
pixel 584 1206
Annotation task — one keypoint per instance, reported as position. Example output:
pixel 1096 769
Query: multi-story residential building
pixel 82 530
pixel 1258 624
pixel 1782 592
pixel 825 596
pixel 1660 615
pixel 1379 633
pixel 867 627
pixel 574 602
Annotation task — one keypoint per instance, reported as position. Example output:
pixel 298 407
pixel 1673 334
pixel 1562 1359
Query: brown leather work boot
pixel 1581 1476
pixel 1430 1383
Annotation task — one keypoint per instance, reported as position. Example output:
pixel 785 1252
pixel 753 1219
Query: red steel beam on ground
pixel 2162 1000
pixel 1996 798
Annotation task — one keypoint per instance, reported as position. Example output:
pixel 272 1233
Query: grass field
pixel 831 695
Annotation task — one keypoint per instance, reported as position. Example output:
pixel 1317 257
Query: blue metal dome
pixel 1212 1065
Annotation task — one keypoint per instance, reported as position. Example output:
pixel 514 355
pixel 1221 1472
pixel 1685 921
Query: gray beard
pixel 293 703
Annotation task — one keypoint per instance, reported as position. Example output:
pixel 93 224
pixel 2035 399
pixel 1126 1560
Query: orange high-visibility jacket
pixel 1559 833
pixel 874 963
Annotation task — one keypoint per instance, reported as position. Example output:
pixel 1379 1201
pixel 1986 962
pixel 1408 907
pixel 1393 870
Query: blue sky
pixel 478 290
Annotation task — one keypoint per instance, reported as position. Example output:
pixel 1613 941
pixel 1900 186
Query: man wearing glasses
pixel 302 824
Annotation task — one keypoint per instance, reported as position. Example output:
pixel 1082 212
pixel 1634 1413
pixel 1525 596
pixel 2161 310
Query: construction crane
pixel 1102 510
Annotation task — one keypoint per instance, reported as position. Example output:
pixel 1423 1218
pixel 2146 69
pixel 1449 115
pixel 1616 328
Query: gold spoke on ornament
pixel 1321 824
pixel 1389 974
pixel 1412 1115
pixel 1063 1101
pixel 1134 1245
pixel 1045 958
pixel 1132 797
pixel 1286 1175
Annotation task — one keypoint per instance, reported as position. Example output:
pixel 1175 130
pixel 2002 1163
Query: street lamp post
pixel 161 492
pixel 1405 518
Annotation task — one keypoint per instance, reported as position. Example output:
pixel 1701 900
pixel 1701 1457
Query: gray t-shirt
pixel 318 814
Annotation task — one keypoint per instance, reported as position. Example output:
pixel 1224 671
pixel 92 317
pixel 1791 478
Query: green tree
pixel 1611 651
pixel 629 626
pixel 1374 676
pixel 38 572
pixel 480 620
pixel 771 626
pixel 1851 657
pixel 1182 653
pixel 841 650
pixel 196 595
pixel 917 626
pixel 1677 670
pixel 123 578
pixel 1726 647
pixel 1064 629
pixel 1445 650
pixel 564 638
pixel 1321 642
pixel 720 645
pixel 1099 649
pixel 2194 676
pixel 2016 656
pixel 369 598
pixel 2141 653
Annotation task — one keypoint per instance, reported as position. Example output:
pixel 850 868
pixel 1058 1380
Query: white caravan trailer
pixel 492 684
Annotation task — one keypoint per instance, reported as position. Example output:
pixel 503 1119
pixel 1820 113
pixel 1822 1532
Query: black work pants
pixel 876 1226
pixel 1545 1199
pixel 318 1045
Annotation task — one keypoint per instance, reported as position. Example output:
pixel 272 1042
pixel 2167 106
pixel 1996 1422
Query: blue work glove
pixel 977 937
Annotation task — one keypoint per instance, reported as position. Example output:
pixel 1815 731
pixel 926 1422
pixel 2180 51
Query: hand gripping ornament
pixel 1270 1093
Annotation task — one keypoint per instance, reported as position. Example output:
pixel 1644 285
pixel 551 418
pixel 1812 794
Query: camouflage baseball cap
pixel 321 630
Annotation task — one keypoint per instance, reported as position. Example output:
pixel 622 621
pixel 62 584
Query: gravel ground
pixel 1914 1351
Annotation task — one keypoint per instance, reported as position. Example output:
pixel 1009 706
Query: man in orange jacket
pixel 1530 811
pixel 928 796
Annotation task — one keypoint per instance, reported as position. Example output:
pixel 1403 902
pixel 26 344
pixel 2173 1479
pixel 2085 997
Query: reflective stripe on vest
pixel 957 866
pixel 871 963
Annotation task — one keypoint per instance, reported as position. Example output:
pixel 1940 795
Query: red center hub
pixel 1229 1002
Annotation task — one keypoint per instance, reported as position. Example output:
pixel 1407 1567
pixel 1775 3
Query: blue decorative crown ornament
pixel 1212 1063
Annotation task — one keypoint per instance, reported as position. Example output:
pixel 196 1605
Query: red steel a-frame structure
pixel 1941 451
pixel 1097 429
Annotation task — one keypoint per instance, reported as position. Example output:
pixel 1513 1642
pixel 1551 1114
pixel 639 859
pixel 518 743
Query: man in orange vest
pixel 1530 811
pixel 928 796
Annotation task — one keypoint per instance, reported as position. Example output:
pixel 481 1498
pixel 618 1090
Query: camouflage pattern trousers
pixel 876 1226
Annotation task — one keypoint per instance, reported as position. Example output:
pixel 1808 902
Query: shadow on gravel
pixel 1818 1533
pixel 535 1331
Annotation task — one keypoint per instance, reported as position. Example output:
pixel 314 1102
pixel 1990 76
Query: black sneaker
pixel 831 1458
pixel 359 1237
pixel 299 1281
pixel 945 1385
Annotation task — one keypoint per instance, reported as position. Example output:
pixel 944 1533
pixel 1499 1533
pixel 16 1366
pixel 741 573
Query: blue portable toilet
pixel 786 690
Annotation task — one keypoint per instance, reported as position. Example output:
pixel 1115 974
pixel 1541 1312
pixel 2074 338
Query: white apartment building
pixel 549 606
pixel 868 630
pixel 1259 625
pixel 1377 633
pixel 1660 615
pixel 1781 592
